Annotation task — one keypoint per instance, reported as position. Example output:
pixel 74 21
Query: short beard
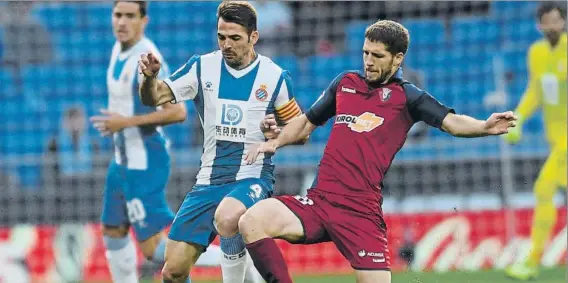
pixel 236 64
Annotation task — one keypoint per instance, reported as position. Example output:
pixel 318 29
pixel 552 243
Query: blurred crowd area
pixel 54 57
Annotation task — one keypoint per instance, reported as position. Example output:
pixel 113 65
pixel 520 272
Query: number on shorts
pixel 257 190
pixel 549 84
pixel 136 211
pixel 304 200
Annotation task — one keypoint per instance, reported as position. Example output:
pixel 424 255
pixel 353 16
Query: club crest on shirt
pixel 365 122
pixel 386 94
pixel 261 93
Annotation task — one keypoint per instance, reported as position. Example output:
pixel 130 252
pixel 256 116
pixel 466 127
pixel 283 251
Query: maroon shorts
pixel 361 238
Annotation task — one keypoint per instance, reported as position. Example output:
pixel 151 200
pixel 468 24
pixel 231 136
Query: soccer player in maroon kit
pixel 373 113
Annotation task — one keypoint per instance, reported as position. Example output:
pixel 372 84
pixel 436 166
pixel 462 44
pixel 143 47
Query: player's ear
pixel 253 37
pixel 398 58
pixel 145 21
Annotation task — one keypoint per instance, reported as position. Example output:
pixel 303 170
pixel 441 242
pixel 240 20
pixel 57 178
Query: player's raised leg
pixel 180 257
pixel 264 221
pixel 361 239
pixel 191 232
pixel 245 193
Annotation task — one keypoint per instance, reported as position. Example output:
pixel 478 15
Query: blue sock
pixel 160 252
pixel 233 245
pixel 115 244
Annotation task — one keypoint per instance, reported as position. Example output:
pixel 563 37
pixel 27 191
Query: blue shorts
pixel 194 220
pixel 137 198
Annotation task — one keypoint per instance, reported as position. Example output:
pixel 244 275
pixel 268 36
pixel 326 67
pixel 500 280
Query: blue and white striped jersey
pixel 231 104
pixel 134 147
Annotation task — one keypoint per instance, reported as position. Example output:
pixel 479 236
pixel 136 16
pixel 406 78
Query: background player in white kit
pixel 137 176
pixel 233 89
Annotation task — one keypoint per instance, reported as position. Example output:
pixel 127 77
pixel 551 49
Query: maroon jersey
pixel 371 125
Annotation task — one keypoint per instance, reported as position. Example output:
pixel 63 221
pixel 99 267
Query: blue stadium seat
pixel 355 36
pixel 476 31
pixel 98 16
pixel 520 33
pixel 426 32
pixel 516 64
pixel 58 16
pixel 321 70
pixel 289 63
pixel 508 10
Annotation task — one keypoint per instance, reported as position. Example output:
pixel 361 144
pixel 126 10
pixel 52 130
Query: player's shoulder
pixel 269 63
pixel 538 46
pixel 411 90
pixel 210 59
pixel 352 78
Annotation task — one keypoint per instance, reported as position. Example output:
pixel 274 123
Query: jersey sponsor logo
pixel 261 93
pixel 349 90
pixel 376 257
pixel 232 114
pixel 231 122
pixel 365 122
pixel 386 94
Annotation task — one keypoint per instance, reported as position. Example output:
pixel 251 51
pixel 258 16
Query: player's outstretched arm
pixel 294 132
pixel 153 92
pixel 108 123
pixel 469 127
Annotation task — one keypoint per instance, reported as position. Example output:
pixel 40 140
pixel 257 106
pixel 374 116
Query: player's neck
pixel 125 46
pixel 553 42
pixel 250 59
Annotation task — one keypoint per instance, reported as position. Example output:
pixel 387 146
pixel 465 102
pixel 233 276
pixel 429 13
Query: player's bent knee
pixel 227 217
pixel 115 231
pixel 250 226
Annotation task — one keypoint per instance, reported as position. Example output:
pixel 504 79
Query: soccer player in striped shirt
pixel 233 89
pixel 137 176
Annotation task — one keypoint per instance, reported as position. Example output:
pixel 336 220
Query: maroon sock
pixel 269 261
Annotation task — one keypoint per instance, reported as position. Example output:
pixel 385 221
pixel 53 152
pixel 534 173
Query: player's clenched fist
pixel 149 65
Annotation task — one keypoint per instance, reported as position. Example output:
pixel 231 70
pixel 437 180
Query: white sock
pixel 121 258
pixel 233 263
pixel 211 257
pixel 233 267
pixel 251 274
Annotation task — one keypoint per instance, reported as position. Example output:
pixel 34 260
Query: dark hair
pixel 547 7
pixel 238 12
pixel 392 34
pixel 142 6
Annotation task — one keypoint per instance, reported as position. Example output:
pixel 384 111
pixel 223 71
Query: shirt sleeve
pixel 184 82
pixel 324 107
pixel 424 107
pixel 285 104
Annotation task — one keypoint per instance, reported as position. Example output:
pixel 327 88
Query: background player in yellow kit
pixel 547 89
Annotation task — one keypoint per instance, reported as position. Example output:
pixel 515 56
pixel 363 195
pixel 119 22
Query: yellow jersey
pixel 547 88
